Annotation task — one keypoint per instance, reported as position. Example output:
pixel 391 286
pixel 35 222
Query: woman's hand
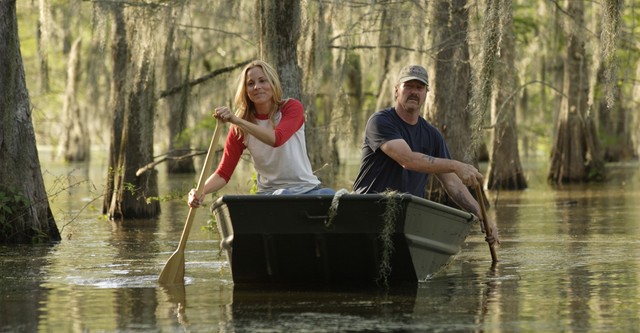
pixel 224 114
pixel 193 201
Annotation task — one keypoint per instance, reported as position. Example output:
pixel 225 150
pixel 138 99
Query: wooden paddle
pixel 485 222
pixel 173 271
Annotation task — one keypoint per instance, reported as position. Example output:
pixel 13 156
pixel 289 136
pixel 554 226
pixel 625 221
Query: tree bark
pixel 576 155
pixel 614 118
pixel 450 86
pixel 120 59
pixel 279 25
pixel 317 64
pixel 505 170
pixel 136 196
pixel 385 55
pixel 177 120
pixel 42 36
pixel 75 144
pixel 25 215
pixel 279 34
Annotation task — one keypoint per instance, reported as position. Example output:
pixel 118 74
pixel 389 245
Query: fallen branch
pixel 167 158
pixel 202 79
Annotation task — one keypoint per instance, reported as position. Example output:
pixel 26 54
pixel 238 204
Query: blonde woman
pixel 272 129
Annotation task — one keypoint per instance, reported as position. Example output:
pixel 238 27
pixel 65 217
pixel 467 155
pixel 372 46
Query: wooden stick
pixel 485 222
pixel 173 271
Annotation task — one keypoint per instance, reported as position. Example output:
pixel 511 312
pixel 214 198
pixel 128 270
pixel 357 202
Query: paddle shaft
pixel 173 271
pixel 485 222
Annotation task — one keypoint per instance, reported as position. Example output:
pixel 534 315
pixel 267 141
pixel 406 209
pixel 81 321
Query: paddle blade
pixel 173 271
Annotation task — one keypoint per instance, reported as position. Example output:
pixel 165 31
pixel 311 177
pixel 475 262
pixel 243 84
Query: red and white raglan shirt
pixel 285 166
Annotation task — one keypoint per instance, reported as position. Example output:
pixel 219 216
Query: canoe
pixel 370 239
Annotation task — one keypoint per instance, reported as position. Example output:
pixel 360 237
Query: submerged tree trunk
pixel 505 170
pixel 137 196
pixel 25 215
pixel 615 120
pixel 576 152
pixel 75 143
pixel 120 59
pixel 449 87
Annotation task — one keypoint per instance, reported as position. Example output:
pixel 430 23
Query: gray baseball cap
pixel 413 72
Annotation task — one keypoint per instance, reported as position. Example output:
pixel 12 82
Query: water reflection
pixel 330 310
pixel 568 262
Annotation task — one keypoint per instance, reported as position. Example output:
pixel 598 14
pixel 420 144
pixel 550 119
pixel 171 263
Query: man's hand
pixel 495 238
pixel 468 174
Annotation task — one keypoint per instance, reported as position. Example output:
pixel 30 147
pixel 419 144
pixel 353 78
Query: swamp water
pixel 569 261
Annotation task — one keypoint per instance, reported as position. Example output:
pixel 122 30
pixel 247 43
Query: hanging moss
pixel 608 40
pixel 392 208
pixel 333 209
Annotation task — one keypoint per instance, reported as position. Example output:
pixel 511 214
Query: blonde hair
pixel 245 108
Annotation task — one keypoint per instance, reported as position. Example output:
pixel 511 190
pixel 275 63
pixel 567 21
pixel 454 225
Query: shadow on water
pixel 568 262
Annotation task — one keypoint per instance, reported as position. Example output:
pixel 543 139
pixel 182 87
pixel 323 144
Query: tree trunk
pixel 75 144
pixel 137 196
pixel 25 215
pixel 615 125
pixel 385 54
pixel 614 118
pixel 120 59
pixel 576 152
pixel 42 36
pixel 355 91
pixel 635 99
pixel 280 30
pixel 317 64
pixel 177 120
pixel 450 86
pixel 505 170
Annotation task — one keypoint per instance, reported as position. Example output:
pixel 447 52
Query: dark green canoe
pixel 360 239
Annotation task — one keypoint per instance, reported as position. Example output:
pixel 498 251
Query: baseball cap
pixel 413 72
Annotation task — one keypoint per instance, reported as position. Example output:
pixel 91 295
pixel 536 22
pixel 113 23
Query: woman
pixel 272 129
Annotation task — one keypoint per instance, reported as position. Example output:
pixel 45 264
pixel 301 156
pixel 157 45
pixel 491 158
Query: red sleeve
pixel 292 119
pixel 233 149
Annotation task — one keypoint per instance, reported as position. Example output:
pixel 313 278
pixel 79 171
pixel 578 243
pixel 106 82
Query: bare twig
pixel 201 79
pixel 166 158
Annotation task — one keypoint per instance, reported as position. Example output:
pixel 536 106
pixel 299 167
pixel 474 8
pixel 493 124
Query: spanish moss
pixel 608 40
pixel 392 208
pixel 481 88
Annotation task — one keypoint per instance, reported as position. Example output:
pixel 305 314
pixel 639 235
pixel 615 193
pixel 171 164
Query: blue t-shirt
pixel 379 172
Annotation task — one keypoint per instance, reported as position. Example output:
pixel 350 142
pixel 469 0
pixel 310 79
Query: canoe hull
pixel 294 239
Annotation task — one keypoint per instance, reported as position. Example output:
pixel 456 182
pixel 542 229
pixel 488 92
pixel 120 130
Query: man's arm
pixel 400 152
pixel 460 194
pixel 454 175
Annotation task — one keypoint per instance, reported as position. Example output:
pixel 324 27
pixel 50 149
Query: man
pixel 401 149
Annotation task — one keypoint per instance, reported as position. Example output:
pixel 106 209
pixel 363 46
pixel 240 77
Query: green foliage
pixel 171 196
pixel 254 183
pixel 211 225
pixel 12 205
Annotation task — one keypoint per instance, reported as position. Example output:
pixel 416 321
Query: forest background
pixel 508 79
